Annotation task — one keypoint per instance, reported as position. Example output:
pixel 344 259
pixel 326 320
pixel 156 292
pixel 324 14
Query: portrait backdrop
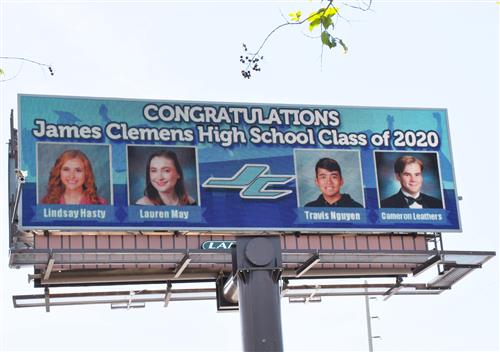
pixel 350 165
pixel 389 185
pixel 137 158
pixel 98 155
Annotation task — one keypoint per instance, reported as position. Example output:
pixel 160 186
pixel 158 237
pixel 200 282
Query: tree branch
pixel 253 59
pixel 23 60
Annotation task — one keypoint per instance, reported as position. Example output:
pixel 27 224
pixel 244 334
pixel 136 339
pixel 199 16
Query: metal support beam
pixel 11 185
pixel 48 270
pixel 182 266
pixel 118 306
pixel 21 179
pixel 424 266
pixel 47 299
pixel 130 303
pixel 130 299
pixel 312 297
pixel 308 264
pixel 103 277
pixel 284 288
pixel 449 266
pixel 309 299
pixel 168 294
pixel 394 289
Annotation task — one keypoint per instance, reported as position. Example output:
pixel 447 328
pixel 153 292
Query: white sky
pixel 402 54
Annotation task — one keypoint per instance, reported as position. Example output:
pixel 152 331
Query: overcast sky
pixel 401 54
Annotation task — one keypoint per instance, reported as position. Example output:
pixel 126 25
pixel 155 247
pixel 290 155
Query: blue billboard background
pixel 242 174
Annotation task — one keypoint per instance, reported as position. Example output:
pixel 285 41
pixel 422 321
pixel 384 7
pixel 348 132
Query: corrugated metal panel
pixel 78 244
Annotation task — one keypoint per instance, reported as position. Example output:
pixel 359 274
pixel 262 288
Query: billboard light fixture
pixel 231 289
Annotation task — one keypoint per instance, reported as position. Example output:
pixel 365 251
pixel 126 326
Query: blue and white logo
pixel 253 181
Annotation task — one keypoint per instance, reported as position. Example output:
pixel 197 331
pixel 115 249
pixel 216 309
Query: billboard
pixel 116 164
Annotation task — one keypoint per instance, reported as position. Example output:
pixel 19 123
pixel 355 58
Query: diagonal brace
pixel 182 265
pixel 307 265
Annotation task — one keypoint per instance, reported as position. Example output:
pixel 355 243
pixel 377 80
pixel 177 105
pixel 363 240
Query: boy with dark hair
pixel 329 181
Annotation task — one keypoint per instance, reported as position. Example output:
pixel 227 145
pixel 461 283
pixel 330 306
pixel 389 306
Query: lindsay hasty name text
pixel 81 213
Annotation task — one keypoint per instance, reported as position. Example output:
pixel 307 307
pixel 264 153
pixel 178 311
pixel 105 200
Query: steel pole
pixel 368 320
pixel 258 265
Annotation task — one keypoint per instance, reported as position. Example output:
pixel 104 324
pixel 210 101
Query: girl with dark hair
pixel 72 181
pixel 165 181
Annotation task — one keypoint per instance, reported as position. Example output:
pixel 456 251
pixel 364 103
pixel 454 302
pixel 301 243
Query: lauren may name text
pixel 164 214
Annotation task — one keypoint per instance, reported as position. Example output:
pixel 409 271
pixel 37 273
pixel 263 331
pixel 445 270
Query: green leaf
pixel 331 11
pixel 314 24
pixel 321 16
pixel 315 16
pixel 344 46
pixel 326 22
pixel 326 39
pixel 1 72
pixel 295 16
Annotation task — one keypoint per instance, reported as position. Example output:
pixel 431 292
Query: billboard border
pixel 245 231
pixel 249 104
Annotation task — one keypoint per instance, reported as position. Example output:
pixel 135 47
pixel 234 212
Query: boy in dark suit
pixel 408 170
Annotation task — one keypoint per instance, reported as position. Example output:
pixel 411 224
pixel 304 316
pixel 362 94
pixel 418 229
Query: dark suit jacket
pixel 399 201
pixel 344 202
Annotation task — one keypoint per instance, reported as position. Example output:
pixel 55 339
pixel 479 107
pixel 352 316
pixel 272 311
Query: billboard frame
pixel 258 230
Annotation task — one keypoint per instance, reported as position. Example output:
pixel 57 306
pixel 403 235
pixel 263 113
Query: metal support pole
pixel 12 185
pixel 47 299
pixel 257 262
pixel 368 319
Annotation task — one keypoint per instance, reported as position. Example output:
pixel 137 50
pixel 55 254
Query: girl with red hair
pixel 72 181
